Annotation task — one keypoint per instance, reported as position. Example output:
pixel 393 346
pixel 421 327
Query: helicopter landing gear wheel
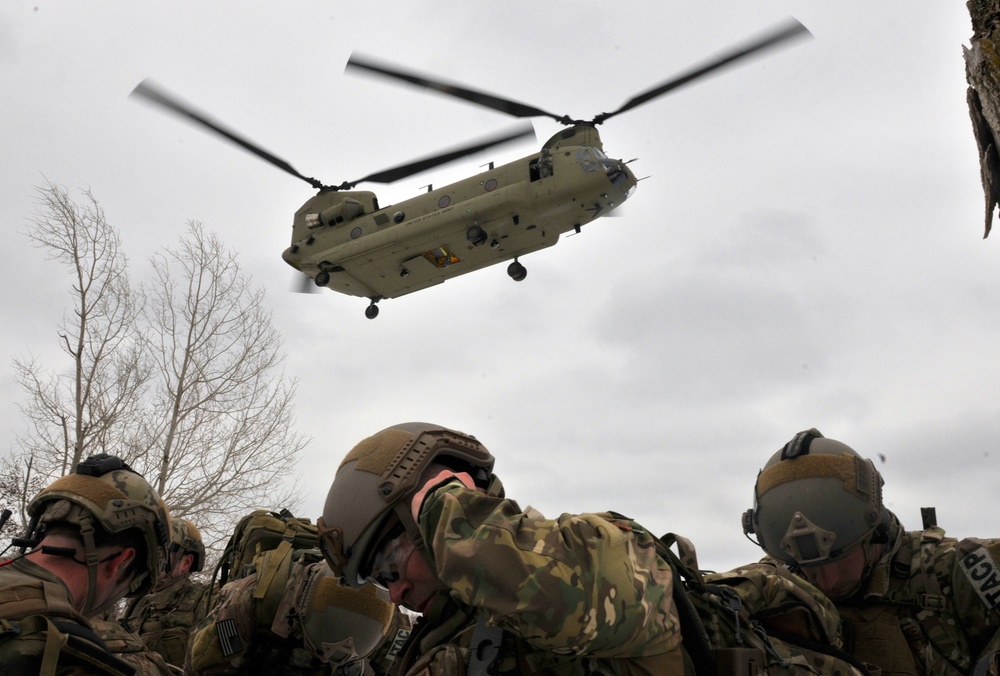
pixel 517 271
pixel 322 278
pixel 371 311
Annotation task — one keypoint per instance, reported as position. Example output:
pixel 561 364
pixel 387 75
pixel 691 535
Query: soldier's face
pixel 405 573
pixel 841 578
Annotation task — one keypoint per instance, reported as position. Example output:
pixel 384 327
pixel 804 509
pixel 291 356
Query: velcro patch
pixel 229 638
pixel 984 574
pixel 398 641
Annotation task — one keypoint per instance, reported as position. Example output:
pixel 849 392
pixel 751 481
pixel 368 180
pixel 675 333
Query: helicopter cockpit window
pixel 587 160
pixel 615 171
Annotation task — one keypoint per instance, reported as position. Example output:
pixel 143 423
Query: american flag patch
pixel 229 638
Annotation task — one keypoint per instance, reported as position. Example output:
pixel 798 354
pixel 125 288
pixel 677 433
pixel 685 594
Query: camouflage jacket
pixel 130 648
pixel 295 623
pixel 41 632
pixel 164 618
pixel 931 605
pixel 581 594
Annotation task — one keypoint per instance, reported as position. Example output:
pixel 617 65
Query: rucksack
pixel 263 542
pixel 259 532
pixel 758 619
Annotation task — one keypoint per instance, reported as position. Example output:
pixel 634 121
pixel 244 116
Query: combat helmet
pixel 816 499
pixel 105 492
pixel 370 495
pixel 185 538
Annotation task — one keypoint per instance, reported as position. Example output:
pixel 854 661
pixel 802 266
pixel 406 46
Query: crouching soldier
pixel 164 618
pixel 95 536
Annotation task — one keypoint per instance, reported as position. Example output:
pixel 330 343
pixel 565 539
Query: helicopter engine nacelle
pixel 344 211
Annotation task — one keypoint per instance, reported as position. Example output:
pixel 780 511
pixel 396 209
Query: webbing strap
pixel 485 647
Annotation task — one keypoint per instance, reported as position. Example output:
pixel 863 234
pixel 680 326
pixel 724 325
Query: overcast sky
pixel 805 250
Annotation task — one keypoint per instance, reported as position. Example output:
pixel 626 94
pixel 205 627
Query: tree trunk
pixel 982 69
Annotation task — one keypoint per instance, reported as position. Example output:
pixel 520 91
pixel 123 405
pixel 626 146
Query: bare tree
pixel 183 381
pixel 218 435
pixel 18 483
pixel 82 411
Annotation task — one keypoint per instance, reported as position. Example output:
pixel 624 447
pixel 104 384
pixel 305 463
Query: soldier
pixel 164 618
pixel 291 617
pixel 912 602
pixel 96 535
pixel 417 509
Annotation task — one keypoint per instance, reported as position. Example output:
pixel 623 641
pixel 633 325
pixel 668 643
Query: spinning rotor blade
pixel 304 284
pixel 415 167
pixel 482 98
pixel 790 29
pixel 149 91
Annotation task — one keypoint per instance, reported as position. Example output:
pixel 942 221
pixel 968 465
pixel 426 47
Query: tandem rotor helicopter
pixel 344 241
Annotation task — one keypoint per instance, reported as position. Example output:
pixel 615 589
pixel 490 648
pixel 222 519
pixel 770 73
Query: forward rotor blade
pixel 151 92
pixel 481 98
pixel 786 31
pixel 402 171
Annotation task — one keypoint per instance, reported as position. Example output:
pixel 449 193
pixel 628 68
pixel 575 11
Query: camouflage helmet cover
pixel 186 538
pixel 106 491
pixel 377 478
pixel 814 500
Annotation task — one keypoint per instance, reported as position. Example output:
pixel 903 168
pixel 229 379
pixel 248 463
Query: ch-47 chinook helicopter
pixel 343 240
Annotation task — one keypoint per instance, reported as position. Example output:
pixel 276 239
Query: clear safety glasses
pixel 390 560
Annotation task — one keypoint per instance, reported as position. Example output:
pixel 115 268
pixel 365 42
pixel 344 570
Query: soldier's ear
pixel 120 563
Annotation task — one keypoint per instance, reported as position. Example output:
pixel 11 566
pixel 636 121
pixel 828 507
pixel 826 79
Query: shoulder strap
pixel 64 638
pixel 693 634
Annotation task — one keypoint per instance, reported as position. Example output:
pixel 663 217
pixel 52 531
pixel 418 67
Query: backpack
pixel 759 619
pixel 263 542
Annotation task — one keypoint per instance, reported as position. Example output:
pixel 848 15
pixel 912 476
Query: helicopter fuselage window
pixel 540 167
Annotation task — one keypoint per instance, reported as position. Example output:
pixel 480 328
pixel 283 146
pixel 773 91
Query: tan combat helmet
pixel 370 495
pixel 105 492
pixel 185 538
pixel 816 499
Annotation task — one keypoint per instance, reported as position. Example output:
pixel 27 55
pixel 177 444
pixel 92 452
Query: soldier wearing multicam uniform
pixel 291 617
pixel 95 535
pixel 911 602
pixel 416 508
pixel 164 618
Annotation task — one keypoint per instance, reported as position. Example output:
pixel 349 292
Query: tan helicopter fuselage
pixel 355 247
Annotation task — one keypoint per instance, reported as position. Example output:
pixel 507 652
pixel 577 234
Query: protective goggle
pixel 390 560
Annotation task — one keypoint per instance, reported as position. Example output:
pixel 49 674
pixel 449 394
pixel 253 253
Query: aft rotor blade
pixel 402 171
pixel 481 98
pixel 786 31
pixel 151 92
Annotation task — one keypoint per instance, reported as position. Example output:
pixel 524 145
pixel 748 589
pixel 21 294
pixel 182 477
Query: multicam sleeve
pixel 976 591
pixel 588 585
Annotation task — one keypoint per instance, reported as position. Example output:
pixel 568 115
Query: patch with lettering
pixel 984 574
pixel 229 638
pixel 398 641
